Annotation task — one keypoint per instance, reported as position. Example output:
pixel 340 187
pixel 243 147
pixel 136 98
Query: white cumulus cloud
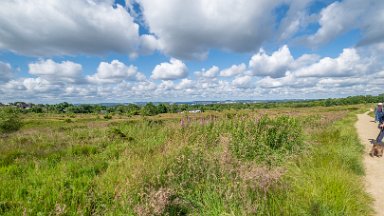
pixel 56 27
pixel 243 81
pixel 115 72
pixel 173 70
pixel 210 73
pixel 50 70
pixel 343 16
pixel 189 28
pixel 185 84
pixel 233 70
pixel 348 63
pixel 274 65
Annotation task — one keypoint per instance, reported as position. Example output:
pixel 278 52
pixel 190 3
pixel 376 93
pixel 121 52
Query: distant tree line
pixel 150 109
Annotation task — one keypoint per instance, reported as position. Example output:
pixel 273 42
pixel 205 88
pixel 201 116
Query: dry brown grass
pixel 260 177
pixel 155 202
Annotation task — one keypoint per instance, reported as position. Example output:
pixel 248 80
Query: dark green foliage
pixel 149 110
pixel 11 157
pixel 9 120
pixel 162 108
pixel 107 116
pixel 116 133
pixel 151 122
pixel 84 150
pixel 68 120
pixel 130 109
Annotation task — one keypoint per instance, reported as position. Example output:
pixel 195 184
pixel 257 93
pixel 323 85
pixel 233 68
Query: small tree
pixel 9 120
pixel 149 110
pixel 162 108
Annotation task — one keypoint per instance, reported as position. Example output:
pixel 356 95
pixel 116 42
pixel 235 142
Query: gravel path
pixel 374 166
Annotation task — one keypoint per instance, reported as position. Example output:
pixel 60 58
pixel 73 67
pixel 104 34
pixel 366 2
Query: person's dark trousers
pixel 380 137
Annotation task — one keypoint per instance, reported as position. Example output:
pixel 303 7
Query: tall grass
pixel 233 164
pixel 9 120
pixel 328 180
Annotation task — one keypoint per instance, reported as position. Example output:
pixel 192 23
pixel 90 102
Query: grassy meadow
pixel 282 161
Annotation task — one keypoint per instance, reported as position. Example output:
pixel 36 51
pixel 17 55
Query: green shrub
pixel 260 140
pixel 107 116
pixel 84 150
pixel 9 120
pixel 150 122
pixel 114 133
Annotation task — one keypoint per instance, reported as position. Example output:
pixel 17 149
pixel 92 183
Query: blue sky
pixel 184 50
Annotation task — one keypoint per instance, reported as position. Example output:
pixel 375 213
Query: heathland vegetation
pixel 248 161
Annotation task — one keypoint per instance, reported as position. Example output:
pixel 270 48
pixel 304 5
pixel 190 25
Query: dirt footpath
pixel 374 166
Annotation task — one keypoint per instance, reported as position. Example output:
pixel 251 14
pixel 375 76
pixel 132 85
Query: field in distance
pixel 279 161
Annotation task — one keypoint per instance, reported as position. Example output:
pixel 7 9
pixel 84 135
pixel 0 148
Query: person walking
pixel 377 148
pixel 379 113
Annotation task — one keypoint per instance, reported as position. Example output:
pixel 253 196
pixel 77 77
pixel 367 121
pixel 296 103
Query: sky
pixel 100 51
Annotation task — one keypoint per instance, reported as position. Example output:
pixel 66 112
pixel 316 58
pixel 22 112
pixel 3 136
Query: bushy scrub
pixel 107 116
pixel 9 120
pixel 266 138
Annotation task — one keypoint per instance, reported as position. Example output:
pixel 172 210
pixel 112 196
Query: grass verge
pixel 329 179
